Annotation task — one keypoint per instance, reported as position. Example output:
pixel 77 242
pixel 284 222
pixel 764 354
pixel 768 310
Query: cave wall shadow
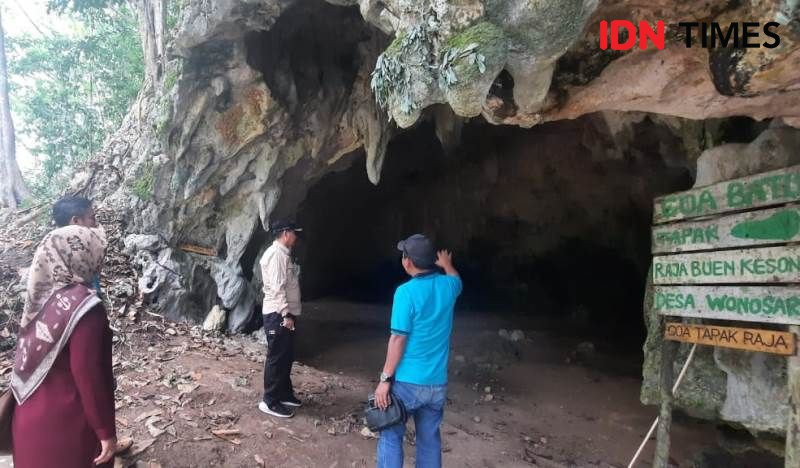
pixel 550 223
pixel 305 70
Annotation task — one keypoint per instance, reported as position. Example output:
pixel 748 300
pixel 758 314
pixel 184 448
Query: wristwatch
pixel 386 377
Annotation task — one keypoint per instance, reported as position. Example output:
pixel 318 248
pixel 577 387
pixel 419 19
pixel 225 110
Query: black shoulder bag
pixel 378 419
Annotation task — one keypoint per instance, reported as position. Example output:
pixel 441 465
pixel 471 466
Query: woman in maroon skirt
pixel 63 380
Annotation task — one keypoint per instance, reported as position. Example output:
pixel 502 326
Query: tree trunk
pixel 152 18
pixel 12 186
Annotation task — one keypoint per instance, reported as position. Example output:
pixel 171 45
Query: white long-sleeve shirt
pixel 281 278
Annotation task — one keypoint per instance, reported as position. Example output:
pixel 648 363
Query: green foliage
pixel 462 55
pixel 174 10
pixel 170 80
pixel 447 73
pixel 171 76
pixel 143 185
pixel 417 48
pixel 72 90
pixel 81 6
pixel 392 75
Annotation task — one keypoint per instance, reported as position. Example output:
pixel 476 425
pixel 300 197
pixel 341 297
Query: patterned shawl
pixel 67 259
pixel 67 255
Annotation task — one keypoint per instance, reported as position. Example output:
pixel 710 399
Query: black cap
pixel 420 250
pixel 284 225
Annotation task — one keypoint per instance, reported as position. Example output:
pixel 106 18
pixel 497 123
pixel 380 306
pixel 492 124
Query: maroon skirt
pixel 62 422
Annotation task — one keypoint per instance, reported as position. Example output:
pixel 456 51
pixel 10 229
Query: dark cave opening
pixel 503 89
pixel 551 223
pixel 542 224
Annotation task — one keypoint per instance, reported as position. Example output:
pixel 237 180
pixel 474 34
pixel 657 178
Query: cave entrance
pixel 549 226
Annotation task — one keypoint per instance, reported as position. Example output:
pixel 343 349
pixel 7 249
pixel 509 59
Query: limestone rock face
pixel 773 149
pixel 453 52
pixel 250 100
pixel 261 98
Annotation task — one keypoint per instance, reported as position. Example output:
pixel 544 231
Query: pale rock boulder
pixel 215 320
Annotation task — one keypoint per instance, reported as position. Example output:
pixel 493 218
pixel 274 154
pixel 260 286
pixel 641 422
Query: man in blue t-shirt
pixel 415 371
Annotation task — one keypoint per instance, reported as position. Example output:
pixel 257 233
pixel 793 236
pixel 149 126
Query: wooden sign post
pixel 730 251
pixel 765 341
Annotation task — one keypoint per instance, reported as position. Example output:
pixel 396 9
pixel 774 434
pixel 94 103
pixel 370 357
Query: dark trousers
pixel 280 357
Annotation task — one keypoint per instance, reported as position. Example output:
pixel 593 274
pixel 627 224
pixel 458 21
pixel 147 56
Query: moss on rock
pixel 396 46
pixel 142 186
pixel 171 79
pixel 483 33
pixel 164 118
pixel 466 96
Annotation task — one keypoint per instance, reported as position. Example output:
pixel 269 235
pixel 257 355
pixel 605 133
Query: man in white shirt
pixel 281 278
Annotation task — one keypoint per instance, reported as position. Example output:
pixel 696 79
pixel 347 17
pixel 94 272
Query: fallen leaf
pixel 149 414
pixel 153 430
pixel 141 446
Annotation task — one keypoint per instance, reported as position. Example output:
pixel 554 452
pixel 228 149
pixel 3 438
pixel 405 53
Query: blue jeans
pixel 425 403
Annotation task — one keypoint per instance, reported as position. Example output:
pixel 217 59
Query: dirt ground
pixel 510 403
pixel 188 399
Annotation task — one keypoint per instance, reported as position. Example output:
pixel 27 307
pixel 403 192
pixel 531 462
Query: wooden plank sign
pixel 762 190
pixel 728 251
pixel 746 303
pixel 198 249
pixel 766 265
pixel 739 230
pixel 765 341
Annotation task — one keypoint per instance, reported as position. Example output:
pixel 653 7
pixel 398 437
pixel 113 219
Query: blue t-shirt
pixel 423 311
